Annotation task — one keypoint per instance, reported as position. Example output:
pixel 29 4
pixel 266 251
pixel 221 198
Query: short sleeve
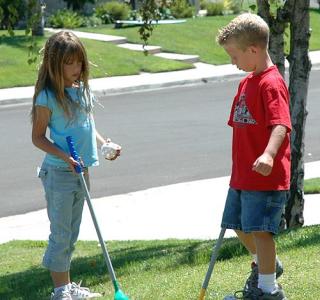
pixel 276 103
pixel 45 99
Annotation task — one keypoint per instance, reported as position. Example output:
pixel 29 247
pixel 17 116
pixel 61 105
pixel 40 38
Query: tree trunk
pixel 38 19
pixel 299 70
pixel 277 27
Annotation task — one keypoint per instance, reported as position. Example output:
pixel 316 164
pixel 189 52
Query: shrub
pixel 203 4
pixel 112 11
pixel 92 21
pixel 181 9
pixel 215 8
pixel 134 15
pixel 66 19
pixel 234 6
pixel 165 13
pixel 77 4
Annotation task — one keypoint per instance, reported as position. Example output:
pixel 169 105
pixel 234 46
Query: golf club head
pixel 120 295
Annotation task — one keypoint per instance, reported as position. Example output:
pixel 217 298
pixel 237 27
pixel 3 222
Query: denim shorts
pixel 65 199
pixel 251 211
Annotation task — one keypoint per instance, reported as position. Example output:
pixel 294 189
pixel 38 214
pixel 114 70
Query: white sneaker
pixel 61 295
pixel 79 293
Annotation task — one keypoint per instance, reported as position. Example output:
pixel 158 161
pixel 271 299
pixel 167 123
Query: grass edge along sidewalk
pixel 167 269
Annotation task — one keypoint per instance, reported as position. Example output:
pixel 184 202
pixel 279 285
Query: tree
pixel 295 13
pixel 36 17
pixel 77 4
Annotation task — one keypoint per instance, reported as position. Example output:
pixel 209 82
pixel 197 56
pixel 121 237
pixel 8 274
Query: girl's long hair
pixel 61 48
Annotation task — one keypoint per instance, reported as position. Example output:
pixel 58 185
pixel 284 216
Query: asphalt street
pixel 168 136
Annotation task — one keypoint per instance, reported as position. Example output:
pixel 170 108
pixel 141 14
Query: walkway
pixel 189 210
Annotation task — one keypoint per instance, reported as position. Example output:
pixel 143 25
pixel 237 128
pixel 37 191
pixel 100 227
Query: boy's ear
pixel 253 49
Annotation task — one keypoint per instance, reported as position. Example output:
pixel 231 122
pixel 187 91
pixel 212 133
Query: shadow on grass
pixel 315 10
pixel 135 258
pixel 20 41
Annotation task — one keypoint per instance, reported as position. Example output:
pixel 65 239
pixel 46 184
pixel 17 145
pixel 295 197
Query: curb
pixel 201 74
pixel 155 86
pixel 135 83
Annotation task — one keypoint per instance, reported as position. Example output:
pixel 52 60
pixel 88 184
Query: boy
pixel 260 176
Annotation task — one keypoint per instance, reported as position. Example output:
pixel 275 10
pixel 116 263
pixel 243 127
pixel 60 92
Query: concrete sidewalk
pixel 190 210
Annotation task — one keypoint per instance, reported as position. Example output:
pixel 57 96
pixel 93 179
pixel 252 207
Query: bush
pixel 92 21
pixel 11 12
pixel 215 8
pixel 112 11
pixel 181 9
pixel 77 4
pixel 165 13
pixel 203 4
pixel 234 6
pixel 66 19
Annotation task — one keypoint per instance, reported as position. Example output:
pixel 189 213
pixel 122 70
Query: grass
pixel 196 36
pixel 312 186
pixel 106 58
pixel 162 270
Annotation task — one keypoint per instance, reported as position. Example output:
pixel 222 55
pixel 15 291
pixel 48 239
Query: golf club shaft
pixel 96 225
pixel 79 170
pixel 212 263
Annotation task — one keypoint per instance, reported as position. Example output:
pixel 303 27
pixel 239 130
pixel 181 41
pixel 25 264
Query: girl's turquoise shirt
pixel 81 127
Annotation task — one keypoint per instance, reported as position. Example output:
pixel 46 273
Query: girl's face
pixel 71 71
pixel 243 59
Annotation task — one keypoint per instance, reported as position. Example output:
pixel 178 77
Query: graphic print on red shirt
pixel 241 112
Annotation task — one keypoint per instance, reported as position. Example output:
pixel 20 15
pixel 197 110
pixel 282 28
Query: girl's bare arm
pixel 39 139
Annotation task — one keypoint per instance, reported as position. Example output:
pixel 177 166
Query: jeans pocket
pixel 42 173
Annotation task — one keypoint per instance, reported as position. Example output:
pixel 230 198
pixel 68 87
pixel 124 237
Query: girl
pixel 63 103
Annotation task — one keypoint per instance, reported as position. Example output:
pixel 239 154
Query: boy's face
pixel 243 59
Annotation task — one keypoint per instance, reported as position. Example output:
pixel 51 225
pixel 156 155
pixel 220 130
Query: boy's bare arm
pixel 264 163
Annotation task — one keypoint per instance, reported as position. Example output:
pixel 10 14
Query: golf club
pixel 119 294
pixel 212 263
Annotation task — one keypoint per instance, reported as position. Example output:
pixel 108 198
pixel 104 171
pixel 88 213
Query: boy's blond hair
pixel 245 30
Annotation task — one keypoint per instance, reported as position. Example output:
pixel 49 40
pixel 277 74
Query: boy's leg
pixel 261 215
pixel 247 239
pixel 266 251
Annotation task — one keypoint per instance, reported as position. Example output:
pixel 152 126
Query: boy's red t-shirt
pixel 262 101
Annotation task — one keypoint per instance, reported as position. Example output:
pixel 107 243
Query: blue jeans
pixel 250 211
pixel 65 200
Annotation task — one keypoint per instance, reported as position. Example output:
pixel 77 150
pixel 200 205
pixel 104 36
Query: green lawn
pixel 106 58
pixel 196 36
pixel 312 186
pixel 162 270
